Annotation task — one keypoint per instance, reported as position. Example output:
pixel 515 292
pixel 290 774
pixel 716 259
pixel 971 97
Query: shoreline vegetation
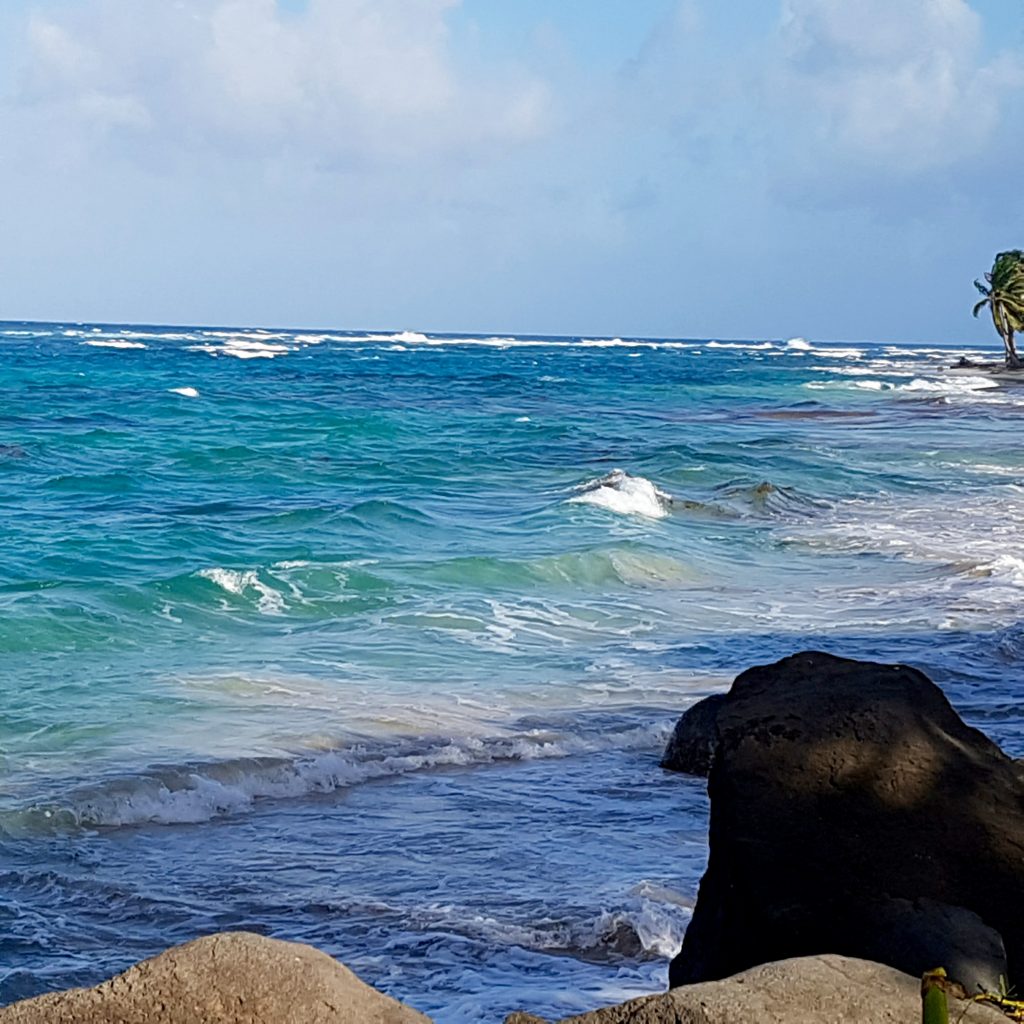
pixel 890 830
pixel 1003 293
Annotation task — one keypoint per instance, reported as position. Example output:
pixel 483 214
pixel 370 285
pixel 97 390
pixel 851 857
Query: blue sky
pixel 698 168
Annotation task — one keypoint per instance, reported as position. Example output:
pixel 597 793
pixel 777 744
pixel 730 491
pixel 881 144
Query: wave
pixel 956 386
pixel 269 601
pixel 971 576
pixel 837 352
pixel 746 346
pixel 113 343
pixel 948 388
pixel 631 343
pixel 187 392
pixel 620 492
pixel 243 348
pixel 649 925
pixel 798 346
pixel 197 793
pixel 1005 567
pixel 599 567
pixel 767 499
pixel 295 588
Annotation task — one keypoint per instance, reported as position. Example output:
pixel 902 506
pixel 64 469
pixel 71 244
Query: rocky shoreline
pixel 861 833
pixel 243 978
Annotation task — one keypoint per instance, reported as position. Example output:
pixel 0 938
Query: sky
pixel 835 169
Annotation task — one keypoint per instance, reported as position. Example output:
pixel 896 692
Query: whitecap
pixel 196 793
pixel 187 392
pixel 239 582
pixel 619 492
pixel 951 386
pixel 113 343
pixel 246 348
pixel 829 352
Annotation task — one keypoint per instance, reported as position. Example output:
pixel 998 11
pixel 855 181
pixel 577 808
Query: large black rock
pixel 853 812
pixel 692 743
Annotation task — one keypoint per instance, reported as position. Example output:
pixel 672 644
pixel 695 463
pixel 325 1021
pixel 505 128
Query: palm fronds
pixel 1004 295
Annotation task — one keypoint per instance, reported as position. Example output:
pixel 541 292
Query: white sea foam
pixel 161 335
pixel 1005 566
pixel 197 793
pixel 951 385
pixel 829 352
pixel 113 343
pixel 973 387
pixel 414 340
pixel 626 343
pixel 745 346
pixel 628 495
pixel 976 578
pixel 401 337
pixel 798 344
pixel 247 348
pixel 187 392
pixel 652 919
pixel 255 335
pixel 240 583
pixel 935 353
pixel 885 367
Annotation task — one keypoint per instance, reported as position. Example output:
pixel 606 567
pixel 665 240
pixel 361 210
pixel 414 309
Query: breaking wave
pixel 113 343
pixel 650 924
pixel 620 492
pixel 196 793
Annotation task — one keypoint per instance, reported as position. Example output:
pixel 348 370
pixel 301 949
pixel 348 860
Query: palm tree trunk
pixel 1012 359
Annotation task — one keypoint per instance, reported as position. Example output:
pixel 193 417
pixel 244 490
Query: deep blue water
pixel 373 641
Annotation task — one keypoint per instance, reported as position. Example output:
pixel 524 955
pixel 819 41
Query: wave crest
pixel 620 492
pixel 196 793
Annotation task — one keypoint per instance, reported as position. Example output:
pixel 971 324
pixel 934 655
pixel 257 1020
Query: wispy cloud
pixel 341 81
pixel 894 87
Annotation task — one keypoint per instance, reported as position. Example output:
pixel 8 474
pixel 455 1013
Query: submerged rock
pixel 230 978
pixel 811 990
pixel 854 812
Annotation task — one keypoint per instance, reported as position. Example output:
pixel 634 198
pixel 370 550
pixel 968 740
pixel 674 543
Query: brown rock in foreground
pixel 230 978
pixel 811 990
pixel 854 812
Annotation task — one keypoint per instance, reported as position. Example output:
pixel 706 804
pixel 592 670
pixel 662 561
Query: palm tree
pixel 1005 298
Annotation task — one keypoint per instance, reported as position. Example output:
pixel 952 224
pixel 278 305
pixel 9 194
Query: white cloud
pixel 895 86
pixel 891 105
pixel 344 81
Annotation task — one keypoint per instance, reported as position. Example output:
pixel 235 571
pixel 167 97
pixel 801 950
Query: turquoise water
pixel 372 640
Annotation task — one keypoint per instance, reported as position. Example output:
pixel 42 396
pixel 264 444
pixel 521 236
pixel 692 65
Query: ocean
pixel 373 640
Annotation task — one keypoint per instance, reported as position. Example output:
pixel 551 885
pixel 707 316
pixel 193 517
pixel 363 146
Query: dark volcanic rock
pixel 694 738
pixel 853 812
